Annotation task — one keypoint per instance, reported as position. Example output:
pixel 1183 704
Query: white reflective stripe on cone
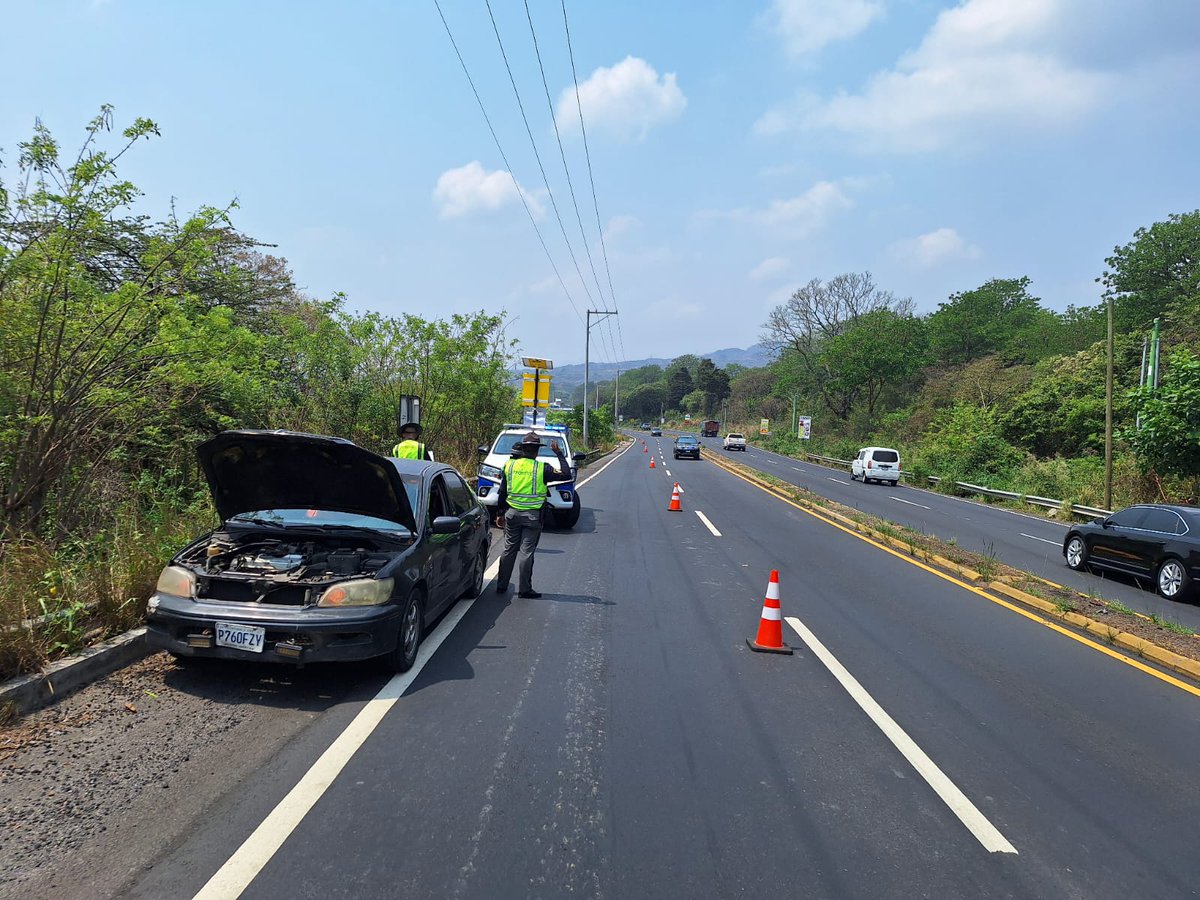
pixel 773 590
pixel 774 614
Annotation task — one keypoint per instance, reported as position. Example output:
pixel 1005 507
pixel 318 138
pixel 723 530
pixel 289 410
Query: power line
pixel 587 155
pixel 537 155
pixel 561 152
pixel 504 157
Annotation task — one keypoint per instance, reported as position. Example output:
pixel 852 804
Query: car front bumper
pixel 680 454
pixel 293 635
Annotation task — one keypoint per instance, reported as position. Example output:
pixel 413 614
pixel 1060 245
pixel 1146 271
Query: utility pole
pixel 601 315
pixel 1108 412
pixel 616 399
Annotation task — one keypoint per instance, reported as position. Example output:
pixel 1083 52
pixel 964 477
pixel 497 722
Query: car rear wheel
pixel 475 588
pixel 1173 579
pixel 1077 553
pixel 408 641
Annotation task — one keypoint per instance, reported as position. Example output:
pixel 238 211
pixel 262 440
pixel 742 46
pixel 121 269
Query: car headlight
pixel 361 592
pixel 490 472
pixel 176 581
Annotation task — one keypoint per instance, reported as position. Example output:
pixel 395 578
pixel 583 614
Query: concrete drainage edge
pixel 27 693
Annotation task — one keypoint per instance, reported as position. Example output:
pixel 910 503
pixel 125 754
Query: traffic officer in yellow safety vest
pixel 410 446
pixel 522 499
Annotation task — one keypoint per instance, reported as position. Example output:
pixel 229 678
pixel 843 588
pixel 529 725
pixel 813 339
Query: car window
pixel 886 456
pixel 439 504
pixel 461 497
pixel 1128 518
pixel 506 442
pixel 1161 520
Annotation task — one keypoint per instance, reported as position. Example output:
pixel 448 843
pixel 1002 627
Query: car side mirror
pixel 446 525
pixel 578 456
pixel 1106 523
pixel 483 451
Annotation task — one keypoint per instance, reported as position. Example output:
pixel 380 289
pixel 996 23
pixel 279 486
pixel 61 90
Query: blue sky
pixel 738 149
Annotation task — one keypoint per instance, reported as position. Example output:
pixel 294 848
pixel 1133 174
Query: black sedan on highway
pixel 687 445
pixel 325 551
pixel 1148 541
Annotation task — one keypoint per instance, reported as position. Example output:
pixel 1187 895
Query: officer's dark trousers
pixel 522 531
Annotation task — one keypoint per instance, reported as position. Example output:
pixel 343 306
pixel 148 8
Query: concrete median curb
pixel 1140 646
pixel 29 692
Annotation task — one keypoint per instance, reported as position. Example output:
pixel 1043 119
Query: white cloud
pixel 619 225
pixel 805 26
pixel 768 268
pixel 985 66
pixel 626 100
pixel 798 216
pixel 935 248
pixel 471 189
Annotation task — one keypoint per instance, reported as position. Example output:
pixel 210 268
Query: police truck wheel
pixel 568 518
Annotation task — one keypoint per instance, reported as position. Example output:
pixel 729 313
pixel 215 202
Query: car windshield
pixel 506 442
pixel 685 439
pixel 317 518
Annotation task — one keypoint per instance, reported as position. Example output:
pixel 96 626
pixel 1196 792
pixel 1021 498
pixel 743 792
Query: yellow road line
pixel 1162 676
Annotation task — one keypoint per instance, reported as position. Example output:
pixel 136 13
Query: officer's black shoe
pixel 529 595
pixel 501 588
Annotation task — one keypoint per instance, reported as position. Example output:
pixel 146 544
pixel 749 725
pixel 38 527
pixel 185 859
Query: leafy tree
pixel 679 385
pixel 1167 440
pixel 1160 266
pixel 998 316
pixel 713 383
pixel 883 348
pixel 646 401
pixel 801 330
pixel 965 442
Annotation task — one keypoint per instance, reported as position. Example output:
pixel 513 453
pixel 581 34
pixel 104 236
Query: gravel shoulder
pixel 96 787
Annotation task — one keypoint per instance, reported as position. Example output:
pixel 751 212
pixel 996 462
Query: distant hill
pixel 568 377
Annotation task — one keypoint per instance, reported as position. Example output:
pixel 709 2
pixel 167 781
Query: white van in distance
pixel 876 464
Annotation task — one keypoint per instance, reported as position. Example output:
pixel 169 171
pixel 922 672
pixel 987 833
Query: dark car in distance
pixel 1152 541
pixel 687 445
pixel 655 431
pixel 326 551
pixel 645 426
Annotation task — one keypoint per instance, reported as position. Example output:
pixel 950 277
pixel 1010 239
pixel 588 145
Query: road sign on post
pixel 764 426
pixel 535 390
pixel 805 428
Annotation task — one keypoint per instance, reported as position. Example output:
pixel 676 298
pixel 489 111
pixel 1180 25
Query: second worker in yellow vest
pixel 522 500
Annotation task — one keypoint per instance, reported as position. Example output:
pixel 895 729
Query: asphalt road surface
pixel 616 738
pixel 1028 542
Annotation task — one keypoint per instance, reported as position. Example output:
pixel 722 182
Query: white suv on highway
pixel 562 499
pixel 734 441
pixel 876 464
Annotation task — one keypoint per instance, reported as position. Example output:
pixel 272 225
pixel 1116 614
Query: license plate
pixel 241 637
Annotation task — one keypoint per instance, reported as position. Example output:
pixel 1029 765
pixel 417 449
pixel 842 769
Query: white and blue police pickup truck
pixel 562 499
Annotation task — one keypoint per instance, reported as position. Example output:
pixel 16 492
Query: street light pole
pixel 601 315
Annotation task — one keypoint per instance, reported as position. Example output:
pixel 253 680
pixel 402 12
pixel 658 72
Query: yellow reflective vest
pixel 409 450
pixel 526 481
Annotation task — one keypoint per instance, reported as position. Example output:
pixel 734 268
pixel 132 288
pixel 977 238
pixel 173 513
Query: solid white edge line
pixel 985 832
pixel 710 525
pixel 910 503
pixel 1043 540
pixel 256 851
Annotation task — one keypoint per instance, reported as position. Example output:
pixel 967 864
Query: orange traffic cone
pixel 675 507
pixel 652 462
pixel 645 449
pixel 770 626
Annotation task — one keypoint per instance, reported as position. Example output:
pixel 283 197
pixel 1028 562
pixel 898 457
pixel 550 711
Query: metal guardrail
pixel 1047 502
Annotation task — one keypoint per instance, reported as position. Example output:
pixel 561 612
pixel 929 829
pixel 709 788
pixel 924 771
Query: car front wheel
pixel 1077 553
pixel 408 641
pixel 1173 579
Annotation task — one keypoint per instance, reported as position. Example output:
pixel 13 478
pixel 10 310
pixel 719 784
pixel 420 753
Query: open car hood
pixel 254 470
